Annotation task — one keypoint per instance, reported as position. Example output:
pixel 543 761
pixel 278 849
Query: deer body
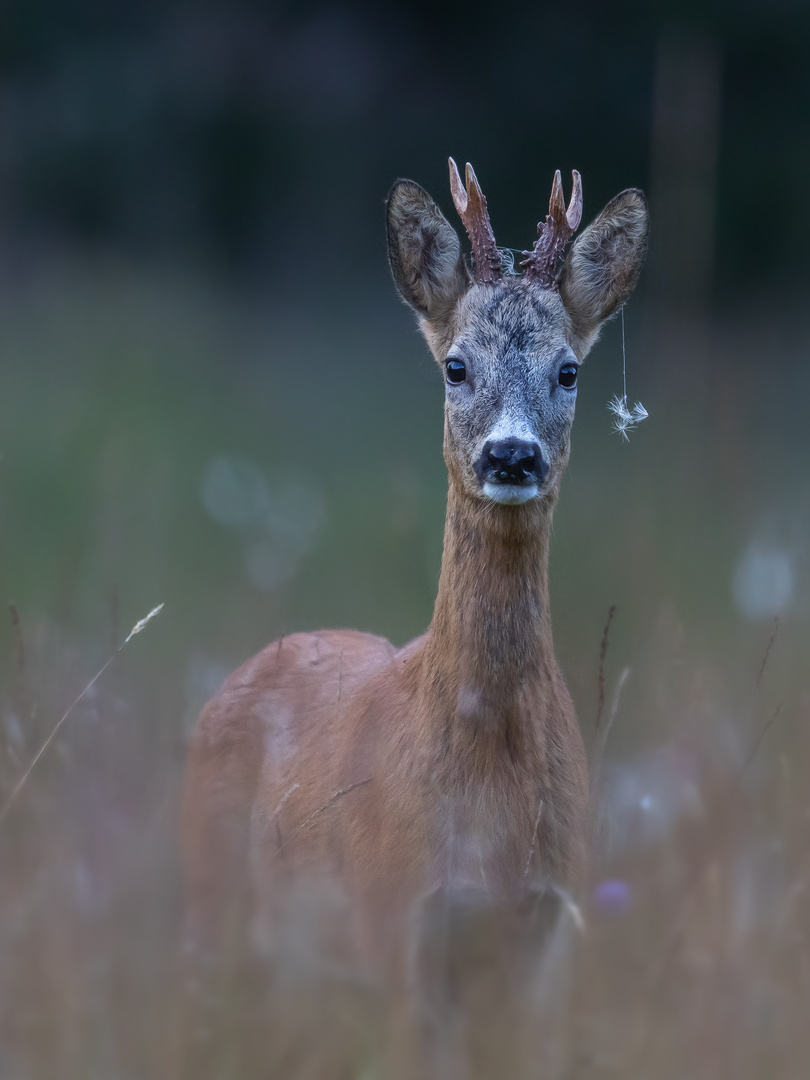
pixel 454 764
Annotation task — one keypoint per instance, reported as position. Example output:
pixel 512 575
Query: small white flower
pixel 626 418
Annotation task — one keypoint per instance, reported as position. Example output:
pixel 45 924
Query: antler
pixel 555 232
pixel 472 209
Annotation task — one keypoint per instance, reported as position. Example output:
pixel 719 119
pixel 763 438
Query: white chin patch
pixel 511 494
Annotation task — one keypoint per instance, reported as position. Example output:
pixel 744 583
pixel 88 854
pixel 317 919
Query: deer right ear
pixel 424 252
pixel 603 266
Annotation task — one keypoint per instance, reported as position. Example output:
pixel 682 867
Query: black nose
pixel 513 461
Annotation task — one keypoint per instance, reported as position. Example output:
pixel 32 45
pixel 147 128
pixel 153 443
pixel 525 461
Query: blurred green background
pixel 212 396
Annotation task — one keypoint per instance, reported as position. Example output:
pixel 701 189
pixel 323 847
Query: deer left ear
pixel 604 264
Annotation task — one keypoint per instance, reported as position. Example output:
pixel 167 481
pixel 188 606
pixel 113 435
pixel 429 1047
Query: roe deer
pixel 454 763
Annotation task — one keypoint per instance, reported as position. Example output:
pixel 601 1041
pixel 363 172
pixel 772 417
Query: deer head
pixel 510 346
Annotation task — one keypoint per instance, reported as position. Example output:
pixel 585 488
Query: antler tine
pixel 556 204
pixel 555 232
pixel 574 213
pixel 457 189
pixel 472 209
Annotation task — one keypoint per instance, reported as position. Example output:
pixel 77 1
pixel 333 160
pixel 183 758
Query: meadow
pixel 263 461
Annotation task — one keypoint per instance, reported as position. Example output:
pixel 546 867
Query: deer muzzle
pixel 511 470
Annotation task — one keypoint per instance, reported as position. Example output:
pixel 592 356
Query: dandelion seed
pixel 626 418
pixel 136 629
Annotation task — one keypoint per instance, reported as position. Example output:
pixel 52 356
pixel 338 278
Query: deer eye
pixel 456 371
pixel 568 375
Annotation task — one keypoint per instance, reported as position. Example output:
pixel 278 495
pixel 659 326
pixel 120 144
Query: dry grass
pixel 695 962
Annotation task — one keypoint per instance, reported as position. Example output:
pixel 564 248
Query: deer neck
pixel 490 643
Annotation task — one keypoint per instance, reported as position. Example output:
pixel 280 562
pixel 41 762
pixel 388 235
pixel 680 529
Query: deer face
pixel 510 390
pixel 510 347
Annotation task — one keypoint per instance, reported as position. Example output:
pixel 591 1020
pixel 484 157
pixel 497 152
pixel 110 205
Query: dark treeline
pixel 231 131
